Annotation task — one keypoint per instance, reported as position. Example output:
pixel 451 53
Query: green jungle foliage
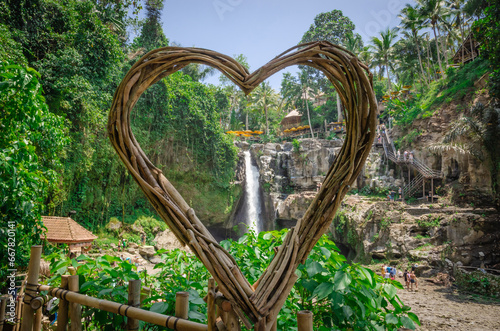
pixel 31 142
pixel 457 84
pixel 78 47
pixel 342 296
pixel 488 34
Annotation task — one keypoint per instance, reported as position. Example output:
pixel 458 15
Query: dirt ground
pixel 441 308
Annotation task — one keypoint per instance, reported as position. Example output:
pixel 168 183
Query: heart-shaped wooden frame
pixel 354 83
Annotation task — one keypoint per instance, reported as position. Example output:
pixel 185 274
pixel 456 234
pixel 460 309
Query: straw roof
pixel 293 117
pixel 65 230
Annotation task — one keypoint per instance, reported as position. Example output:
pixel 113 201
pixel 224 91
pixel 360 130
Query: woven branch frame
pixel 258 304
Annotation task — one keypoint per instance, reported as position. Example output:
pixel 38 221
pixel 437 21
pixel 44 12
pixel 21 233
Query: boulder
pixel 132 250
pixel 114 224
pixel 147 251
pixel 155 259
pixel 133 245
pixel 167 240
pixel 113 246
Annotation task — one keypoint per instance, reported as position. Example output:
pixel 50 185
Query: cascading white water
pixel 253 217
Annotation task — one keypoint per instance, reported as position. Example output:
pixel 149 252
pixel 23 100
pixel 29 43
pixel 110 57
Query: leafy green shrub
pixel 341 295
pixel 430 222
pixel 296 146
pixel 150 225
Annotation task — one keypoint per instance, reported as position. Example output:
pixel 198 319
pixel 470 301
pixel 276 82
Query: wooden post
pixel 75 310
pixel 134 300
pixel 211 305
pixel 423 189
pixel 3 305
pixel 62 315
pixel 31 287
pixel 37 324
pixel 432 190
pixel 182 305
pixel 304 320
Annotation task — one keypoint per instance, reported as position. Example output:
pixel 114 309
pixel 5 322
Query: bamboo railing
pixel 221 314
pixel 256 304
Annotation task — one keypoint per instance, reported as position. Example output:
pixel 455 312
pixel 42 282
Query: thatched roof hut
pixel 64 230
pixel 469 50
pixel 291 120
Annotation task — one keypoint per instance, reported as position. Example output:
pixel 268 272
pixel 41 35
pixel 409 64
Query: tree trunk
pixel 420 62
pixel 387 71
pixel 437 50
pixel 267 121
pixel 308 116
pixel 340 117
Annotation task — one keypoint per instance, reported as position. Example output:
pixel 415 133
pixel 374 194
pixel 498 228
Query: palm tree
pixel 383 48
pixel 304 80
pixel 353 43
pixel 434 12
pixel 264 97
pixel 412 21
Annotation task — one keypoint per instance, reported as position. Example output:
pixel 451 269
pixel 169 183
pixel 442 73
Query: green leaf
pixel 407 322
pixel 323 290
pixel 391 319
pixel 390 290
pixel 341 280
pixel 159 307
pixel 414 318
pixel 267 236
pixel 314 268
pixel 325 252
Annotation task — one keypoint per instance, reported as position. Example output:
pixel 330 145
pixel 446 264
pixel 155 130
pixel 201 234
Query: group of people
pixel 392 195
pixel 409 277
pixel 407 156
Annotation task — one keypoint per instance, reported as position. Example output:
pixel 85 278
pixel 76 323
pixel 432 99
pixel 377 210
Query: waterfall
pixel 254 209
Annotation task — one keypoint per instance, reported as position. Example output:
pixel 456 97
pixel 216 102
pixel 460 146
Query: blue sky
pixel 263 29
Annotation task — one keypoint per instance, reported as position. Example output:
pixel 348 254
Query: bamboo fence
pixel 221 313
pixel 256 304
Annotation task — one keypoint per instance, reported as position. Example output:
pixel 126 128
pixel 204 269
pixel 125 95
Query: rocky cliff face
pixel 465 176
pixel 433 235
pixel 290 175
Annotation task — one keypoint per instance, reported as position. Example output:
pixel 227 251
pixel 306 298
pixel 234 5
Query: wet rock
pixel 147 251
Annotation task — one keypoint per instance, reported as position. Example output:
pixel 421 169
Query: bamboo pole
pixel 170 322
pixel 304 320
pixel 75 309
pixel 211 305
pixel 3 305
pixel 37 324
pixel 182 305
pixel 72 271
pixel 31 284
pixel 134 300
pixel 62 315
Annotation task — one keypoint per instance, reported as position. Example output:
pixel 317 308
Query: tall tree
pixel 263 98
pixel 333 27
pixel 383 47
pixel 412 21
pixel 434 12
pixel 152 36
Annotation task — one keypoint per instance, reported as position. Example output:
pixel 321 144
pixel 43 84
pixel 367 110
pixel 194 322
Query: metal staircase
pixel 424 172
